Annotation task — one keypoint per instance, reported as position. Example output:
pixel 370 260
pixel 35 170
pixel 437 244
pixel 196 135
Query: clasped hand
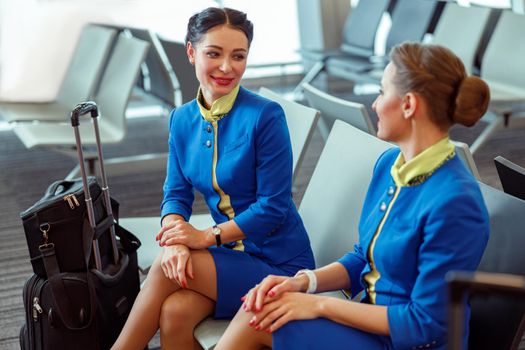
pixel 177 238
pixel 277 300
pixel 181 232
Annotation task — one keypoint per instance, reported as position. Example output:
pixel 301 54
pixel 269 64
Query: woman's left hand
pixel 182 232
pixel 290 306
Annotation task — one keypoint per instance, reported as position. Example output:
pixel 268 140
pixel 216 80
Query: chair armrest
pixel 460 283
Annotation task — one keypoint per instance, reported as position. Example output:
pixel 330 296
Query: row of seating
pixel 339 182
pixel 489 41
pixel 106 64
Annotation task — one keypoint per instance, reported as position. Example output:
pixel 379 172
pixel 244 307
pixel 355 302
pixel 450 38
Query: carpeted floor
pixel 25 174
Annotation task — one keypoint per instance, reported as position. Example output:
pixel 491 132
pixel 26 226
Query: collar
pixel 219 107
pixel 423 165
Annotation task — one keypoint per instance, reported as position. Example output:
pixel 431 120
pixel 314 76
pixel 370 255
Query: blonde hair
pixel 438 75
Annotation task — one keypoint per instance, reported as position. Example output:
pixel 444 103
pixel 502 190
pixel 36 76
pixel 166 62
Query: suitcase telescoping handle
pixel 80 110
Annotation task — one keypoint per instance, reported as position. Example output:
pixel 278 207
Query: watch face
pixel 216 231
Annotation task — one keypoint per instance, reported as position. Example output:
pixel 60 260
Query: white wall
pixel 37 37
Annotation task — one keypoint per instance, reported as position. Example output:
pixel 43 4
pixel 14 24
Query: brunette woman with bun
pixel 422 217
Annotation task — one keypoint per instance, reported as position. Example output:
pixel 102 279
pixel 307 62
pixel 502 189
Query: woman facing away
pixel 423 216
pixel 233 146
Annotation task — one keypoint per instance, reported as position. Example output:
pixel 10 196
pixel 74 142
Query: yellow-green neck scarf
pixel 219 107
pixel 423 165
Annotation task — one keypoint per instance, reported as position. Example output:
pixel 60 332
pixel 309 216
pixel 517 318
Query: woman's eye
pixel 239 57
pixel 212 54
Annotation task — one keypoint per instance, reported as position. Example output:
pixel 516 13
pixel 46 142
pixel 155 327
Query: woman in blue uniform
pixel 233 146
pixel 422 217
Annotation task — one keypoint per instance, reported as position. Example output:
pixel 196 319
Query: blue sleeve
pixel 273 176
pixel 455 235
pixel 354 263
pixel 178 192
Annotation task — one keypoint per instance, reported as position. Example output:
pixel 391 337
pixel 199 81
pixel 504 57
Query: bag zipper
pixel 72 200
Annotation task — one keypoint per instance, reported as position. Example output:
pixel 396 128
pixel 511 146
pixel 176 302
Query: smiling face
pixel 391 125
pixel 220 59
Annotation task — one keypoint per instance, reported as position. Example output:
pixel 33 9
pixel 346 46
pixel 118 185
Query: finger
pixel 279 322
pixel 284 286
pixel 165 270
pixel 262 319
pixel 250 299
pixel 162 230
pixel 181 271
pixel 175 240
pixel 189 268
pixel 168 270
pixel 165 236
pixel 266 285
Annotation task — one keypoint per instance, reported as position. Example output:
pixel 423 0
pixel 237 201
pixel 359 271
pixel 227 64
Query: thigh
pixel 325 334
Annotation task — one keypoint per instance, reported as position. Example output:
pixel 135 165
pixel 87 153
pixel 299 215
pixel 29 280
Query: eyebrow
pixel 220 48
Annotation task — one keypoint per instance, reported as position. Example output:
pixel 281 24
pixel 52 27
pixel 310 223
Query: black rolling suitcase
pixel 86 273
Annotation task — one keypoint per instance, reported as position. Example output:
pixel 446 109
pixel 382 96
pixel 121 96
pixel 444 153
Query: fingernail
pixel 268 331
pixel 251 322
pixel 243 298
pixel 258 327
pixel 271 293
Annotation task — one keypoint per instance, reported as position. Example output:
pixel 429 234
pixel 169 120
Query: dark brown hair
pixel 438 75
pixel 201 22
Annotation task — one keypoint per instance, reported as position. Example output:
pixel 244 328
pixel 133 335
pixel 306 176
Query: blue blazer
pixel 432 228
pixel 254 167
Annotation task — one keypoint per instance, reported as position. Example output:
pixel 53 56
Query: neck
pixel 420 139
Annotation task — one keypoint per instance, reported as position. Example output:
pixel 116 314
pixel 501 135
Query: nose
pixel 225 66
pixel 374 104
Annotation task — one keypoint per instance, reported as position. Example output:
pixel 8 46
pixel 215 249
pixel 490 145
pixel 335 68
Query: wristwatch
pixel 217 233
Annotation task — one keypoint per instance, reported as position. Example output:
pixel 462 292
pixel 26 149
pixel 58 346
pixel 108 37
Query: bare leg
pixel 180 313
pixel 240 336
pixel 143 321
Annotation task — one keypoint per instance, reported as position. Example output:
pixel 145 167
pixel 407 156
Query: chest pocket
pixel 234 145
pixel 236 167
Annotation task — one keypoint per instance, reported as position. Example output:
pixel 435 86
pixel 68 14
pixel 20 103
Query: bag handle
pixel 52 189
pixel 78 111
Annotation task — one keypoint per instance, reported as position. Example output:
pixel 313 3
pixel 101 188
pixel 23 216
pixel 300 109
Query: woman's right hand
pixel 176 264
pixel 272 287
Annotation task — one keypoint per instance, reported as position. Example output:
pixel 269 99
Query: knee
pixel 175 313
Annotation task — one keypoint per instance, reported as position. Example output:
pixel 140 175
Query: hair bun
pixel 472 100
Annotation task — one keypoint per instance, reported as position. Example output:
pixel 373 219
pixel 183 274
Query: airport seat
pixel 112 99
pixel 187 83
pixel 333 108
pixel 512 177
pixel 411 20
pixel 505 75
pixel 465 43
pixel 80 81
pixel 497 288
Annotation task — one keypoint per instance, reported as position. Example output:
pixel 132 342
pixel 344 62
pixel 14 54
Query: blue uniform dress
pixel 247 153
pixel 410 236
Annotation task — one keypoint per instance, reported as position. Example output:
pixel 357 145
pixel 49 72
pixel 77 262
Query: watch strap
pixel 217 233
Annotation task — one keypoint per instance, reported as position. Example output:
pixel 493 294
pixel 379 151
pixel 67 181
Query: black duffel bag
pixel 80 310
pixel 58 218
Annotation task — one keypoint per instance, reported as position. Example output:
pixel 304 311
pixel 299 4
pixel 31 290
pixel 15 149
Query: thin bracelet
pixel 312 280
